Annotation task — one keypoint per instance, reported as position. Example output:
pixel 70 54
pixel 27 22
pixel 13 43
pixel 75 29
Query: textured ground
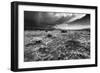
pixel 56 45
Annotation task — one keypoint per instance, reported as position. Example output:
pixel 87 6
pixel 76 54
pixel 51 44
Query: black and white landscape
pixel 56 36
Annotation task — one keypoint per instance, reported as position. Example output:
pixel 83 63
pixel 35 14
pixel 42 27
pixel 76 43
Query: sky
pixel 56 20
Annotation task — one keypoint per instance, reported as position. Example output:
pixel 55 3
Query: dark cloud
pixel 48 20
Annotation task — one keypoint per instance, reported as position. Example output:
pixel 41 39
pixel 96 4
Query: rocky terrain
pixel 42 45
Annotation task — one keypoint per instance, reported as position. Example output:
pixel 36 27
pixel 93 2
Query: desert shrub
pixel 72 44
pixel 49 35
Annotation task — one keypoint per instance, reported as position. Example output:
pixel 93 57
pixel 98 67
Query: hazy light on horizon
pixel 71 27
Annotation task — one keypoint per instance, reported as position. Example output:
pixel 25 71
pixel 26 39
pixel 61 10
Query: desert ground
pixel 47 45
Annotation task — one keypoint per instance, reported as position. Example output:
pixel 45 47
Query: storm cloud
pixel 49 20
